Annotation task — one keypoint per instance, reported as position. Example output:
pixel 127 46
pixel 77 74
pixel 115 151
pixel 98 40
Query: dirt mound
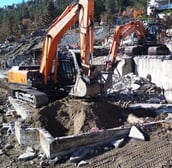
pixel 73 116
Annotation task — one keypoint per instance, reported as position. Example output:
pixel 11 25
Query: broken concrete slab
pixel 136 133
pixel 58 146
pixel 26 135
pixel 23 112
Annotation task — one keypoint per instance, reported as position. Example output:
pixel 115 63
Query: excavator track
pixel 147 50
pixel 34 97
pixel 158 50
pixel 133 50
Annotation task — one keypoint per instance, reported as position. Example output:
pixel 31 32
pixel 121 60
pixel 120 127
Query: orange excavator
pixel 61 72
pixel 150 40
pixel 66 72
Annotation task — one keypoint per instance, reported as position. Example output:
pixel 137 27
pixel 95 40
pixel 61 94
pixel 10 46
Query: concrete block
pixel 23 112
pixel 167 75
pixel 136 133
pixel 126 65
pixel 45 140
pixel 63 145
pixel 25 135
pixel 168 96
pixel 150 65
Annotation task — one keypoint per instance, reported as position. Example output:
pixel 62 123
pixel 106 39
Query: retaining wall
pixel 159 67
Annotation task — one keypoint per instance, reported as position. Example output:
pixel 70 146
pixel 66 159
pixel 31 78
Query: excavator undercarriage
pixel 137 50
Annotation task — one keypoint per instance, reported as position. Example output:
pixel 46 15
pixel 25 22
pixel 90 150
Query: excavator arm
pixel 81 11
pixel 123 31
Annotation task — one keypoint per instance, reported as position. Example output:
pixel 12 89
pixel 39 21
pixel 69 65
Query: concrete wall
pixel 152 66
pixel 158 67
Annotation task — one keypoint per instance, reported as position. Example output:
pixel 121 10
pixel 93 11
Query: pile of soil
pixel 73 116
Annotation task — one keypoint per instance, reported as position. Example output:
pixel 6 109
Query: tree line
pixel 21 19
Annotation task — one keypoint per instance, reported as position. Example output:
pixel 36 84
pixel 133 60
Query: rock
pixel 132 119
pixel 79 154
pixel 118 143
pixel 8 146
pixel 53 161
pixel 30 150
pixel 82 163
pixel 43 164
pixel 41 156
pixel 5 125
pixel 27 156
pixel 1 152
pixel 135 86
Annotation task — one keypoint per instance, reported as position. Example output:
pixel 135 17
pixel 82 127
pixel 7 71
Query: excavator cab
pixel 66 74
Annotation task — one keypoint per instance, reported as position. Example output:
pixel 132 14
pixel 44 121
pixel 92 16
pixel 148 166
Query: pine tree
pixel 50 15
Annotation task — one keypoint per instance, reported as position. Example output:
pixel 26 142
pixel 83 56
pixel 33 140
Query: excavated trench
pixel 71 116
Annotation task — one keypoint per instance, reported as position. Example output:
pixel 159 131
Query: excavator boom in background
pixel 150 40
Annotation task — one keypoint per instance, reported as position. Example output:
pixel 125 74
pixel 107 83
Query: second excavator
pixel 150 39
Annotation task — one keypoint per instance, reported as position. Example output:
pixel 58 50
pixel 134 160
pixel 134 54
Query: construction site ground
pixel 79 116
pixel 71 116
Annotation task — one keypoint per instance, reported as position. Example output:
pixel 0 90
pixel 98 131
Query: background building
pixel 158 5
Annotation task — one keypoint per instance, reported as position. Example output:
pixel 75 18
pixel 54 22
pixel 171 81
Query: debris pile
pixel 131 88
pixel 19 52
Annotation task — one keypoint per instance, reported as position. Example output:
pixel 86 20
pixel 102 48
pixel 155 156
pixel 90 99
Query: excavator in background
pixel 61 72
pixel 150 39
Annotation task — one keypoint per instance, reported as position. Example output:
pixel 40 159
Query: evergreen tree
pixel 50 15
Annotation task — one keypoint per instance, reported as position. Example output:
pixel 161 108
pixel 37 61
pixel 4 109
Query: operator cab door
pixel 66 70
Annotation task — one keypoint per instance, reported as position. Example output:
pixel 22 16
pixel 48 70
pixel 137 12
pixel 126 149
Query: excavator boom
pixel 81 11
pixel 123 31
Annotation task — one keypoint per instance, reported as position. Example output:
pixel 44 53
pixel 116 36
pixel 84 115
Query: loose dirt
pixel 70 116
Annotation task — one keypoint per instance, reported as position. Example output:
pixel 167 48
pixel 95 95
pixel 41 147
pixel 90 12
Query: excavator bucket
pixel 79 89
pixel 83 88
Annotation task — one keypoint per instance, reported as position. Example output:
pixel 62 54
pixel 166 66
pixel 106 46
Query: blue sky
pixel 9 2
